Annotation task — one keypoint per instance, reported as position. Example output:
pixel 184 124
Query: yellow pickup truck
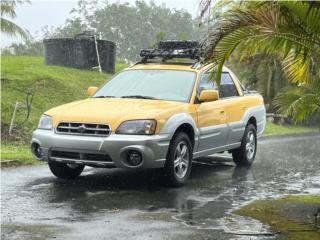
pixel 154 114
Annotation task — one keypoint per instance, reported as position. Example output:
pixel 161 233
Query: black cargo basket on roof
pixel 170 49
pixel 177 44
pixel 80 52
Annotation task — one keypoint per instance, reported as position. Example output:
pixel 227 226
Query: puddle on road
pixel 215 188
pixel 240 191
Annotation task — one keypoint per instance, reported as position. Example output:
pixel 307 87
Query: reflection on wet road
pixel 118 204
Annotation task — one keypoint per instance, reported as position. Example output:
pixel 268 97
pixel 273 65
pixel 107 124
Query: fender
pixel 175 121
pixel 237 128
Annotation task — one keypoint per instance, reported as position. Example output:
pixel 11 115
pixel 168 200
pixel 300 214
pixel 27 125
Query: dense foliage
pixel 29 48
pixel 288 30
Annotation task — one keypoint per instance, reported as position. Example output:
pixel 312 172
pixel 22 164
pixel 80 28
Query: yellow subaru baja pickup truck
pixel 158 113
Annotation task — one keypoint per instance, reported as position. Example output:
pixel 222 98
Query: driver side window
pixel 226 89
pixel 206 83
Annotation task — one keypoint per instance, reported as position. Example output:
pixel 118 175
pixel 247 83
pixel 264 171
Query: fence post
pixel 13 117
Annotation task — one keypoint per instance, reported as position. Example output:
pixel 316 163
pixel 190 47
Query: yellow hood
pixel 114 111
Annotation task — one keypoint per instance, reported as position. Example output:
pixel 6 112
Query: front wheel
pixel 179 160
pixel 245 154
pixel 65 170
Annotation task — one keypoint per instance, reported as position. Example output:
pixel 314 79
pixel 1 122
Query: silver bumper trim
pixel 83 161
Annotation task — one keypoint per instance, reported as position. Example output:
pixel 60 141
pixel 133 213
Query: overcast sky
pixel 40 13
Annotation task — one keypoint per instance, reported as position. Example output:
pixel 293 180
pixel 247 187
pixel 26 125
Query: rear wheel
pixel 245 154
pixel 65 170
pixel 179 160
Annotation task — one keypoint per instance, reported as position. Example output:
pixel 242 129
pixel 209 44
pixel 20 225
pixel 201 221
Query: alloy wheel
pixel 181 160
pixel 250 145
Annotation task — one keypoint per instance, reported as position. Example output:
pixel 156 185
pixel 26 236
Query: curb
pixel 12 163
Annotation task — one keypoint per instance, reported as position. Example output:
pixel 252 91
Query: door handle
pixel 222 112
pixel 244 107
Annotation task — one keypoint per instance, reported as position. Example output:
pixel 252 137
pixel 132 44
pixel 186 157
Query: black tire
pixel 183 166
pixel 65 171
pixel 243 156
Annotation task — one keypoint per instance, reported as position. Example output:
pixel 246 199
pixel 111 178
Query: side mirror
pixel 91 90
pixel 209 95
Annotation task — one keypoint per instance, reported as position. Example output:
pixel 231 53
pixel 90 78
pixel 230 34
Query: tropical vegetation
pixel 287 30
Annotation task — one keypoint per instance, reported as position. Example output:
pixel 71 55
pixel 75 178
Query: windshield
pixel 171 85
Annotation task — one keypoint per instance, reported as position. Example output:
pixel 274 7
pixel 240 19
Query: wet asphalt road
pixel 118 204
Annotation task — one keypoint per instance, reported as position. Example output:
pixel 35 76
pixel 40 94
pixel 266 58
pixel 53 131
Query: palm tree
pixel 288 29
pixel 8 11
pixel 300 102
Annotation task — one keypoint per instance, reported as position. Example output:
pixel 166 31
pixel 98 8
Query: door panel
pixel 212 123
pixel 235 106
pixel 235 109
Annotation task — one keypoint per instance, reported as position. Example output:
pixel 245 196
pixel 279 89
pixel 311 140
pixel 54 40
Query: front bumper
pixel 152 148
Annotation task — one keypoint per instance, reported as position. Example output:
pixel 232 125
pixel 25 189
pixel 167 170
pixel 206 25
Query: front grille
pixel 81 156
pixel 89 129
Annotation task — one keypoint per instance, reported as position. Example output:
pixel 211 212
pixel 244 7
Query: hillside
pixel 51 85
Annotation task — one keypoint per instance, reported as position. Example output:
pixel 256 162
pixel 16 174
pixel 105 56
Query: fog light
pixel 134 158
pixel 37 151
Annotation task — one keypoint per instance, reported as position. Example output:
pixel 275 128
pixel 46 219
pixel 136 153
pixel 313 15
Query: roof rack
pixel 171 49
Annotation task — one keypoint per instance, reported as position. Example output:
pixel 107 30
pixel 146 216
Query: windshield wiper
pixel 104 97
pixel 138 96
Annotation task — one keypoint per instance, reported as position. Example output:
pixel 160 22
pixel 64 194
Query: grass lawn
pixel 274 129
pixel 19 153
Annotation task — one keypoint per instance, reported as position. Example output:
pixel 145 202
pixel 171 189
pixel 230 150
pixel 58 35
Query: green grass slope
pixel 52 86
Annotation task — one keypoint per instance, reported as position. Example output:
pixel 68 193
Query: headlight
pixel 137 127
pixel 45 122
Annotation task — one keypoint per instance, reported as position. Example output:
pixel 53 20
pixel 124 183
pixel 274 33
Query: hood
pixel 114 111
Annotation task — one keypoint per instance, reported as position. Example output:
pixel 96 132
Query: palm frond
pixel 297 67
pixel 13 29
pixel 300 101
pixel 309 16
pixel 268 28
pixel 8 9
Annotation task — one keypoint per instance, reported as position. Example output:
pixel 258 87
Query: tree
pixel 262 73
pixel 131 27
pixel 287 29
pixel 8 8
pixel 29 47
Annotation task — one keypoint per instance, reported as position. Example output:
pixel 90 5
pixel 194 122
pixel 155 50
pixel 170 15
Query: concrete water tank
pixel 80 52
